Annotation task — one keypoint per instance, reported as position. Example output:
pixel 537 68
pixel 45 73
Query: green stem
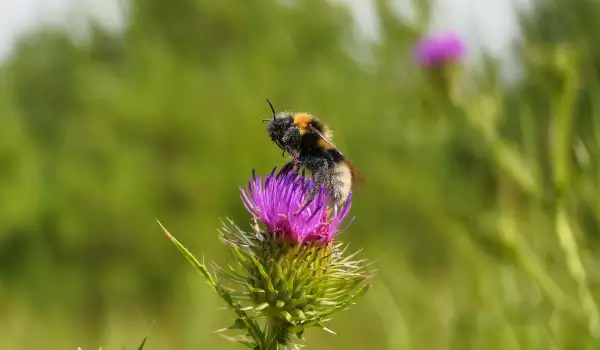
pixel 509 159
pixel 274 335
pixel 509 234
pixel 575 266
pixel 564 115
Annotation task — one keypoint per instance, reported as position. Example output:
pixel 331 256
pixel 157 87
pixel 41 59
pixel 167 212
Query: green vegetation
pixel 481 209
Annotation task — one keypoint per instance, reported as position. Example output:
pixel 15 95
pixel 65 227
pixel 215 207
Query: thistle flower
pixel 276 203
pixel 438 50
pixel 290 274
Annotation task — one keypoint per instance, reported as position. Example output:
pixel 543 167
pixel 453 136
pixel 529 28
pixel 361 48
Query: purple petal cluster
pixel 437 50
pixel 276 201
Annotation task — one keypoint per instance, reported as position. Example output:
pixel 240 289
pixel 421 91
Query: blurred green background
pixel 481 208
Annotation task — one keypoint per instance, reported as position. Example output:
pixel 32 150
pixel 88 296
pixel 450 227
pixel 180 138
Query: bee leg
pixel 304 204
pixel 319 179
pixel 292 139
pixel 297 163
pixel 311 196
pixel 289 166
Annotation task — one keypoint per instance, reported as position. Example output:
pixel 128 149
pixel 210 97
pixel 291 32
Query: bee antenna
pixel 271 105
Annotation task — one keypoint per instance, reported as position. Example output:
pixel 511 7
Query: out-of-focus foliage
pixel 481 207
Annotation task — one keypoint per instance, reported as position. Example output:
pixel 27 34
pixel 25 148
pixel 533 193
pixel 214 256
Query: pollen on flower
pixel 276 200
pixel 440 49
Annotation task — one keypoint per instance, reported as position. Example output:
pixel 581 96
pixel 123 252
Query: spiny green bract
pixel 293 286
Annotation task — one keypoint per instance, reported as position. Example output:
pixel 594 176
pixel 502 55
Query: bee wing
pixel 356 175
pixel 326 140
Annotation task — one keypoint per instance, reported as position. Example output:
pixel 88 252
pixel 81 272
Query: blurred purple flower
pixel 436 50
pixel 276 201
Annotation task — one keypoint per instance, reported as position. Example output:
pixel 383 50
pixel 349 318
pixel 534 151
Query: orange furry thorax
pixel 303 122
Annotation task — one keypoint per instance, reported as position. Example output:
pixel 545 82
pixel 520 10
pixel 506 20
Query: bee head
pixel 278 124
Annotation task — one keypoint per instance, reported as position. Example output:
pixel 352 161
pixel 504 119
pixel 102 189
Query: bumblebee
pixel 308 143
